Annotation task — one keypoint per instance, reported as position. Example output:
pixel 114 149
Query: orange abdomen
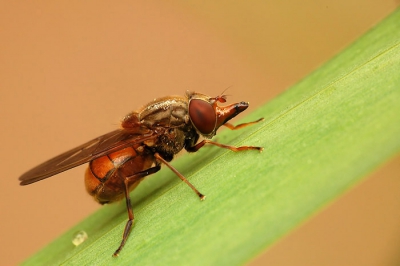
pixel 105 176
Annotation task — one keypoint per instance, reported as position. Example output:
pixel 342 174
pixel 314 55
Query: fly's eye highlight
pixel 202 115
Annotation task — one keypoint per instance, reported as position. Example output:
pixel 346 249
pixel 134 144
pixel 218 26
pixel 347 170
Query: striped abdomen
pixel 105 176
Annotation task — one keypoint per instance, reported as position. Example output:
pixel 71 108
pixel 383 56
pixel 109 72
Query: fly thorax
pixel 172 141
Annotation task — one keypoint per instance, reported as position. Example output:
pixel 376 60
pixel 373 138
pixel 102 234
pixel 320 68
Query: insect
pixel 149 137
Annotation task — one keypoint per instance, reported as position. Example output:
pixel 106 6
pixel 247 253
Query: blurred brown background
pixel 71 70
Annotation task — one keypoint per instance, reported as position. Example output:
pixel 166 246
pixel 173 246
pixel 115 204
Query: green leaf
pixel 320 138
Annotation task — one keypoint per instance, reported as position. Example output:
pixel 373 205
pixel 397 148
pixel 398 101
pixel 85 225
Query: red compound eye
pixel 202 115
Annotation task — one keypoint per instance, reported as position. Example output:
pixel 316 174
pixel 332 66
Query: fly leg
pixel 130 180
pixel 232 127
pixel 158 156
pixel 199 145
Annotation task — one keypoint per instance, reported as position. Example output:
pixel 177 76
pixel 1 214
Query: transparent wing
pixel 100 146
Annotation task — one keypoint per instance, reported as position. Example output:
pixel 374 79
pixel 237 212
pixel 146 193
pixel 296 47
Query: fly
pixel 149 137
